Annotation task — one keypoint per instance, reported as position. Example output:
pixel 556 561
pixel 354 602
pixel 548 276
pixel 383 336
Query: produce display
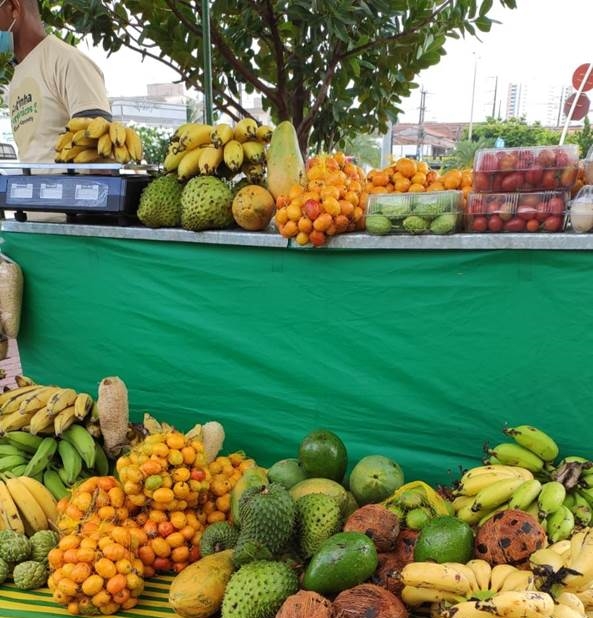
pixel 540 211
pixel 96 140
pixel 581 210
pixel 315 532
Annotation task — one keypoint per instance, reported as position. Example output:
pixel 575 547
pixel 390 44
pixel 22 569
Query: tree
pixel 335 68
pixel 155 143
pixel 366 149
pixel 514 132
pixel 583 138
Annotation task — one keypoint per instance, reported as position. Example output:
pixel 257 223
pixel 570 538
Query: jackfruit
pixel 267 520
pixel 258 589
pixel 160 202
pixel 218 537
pixel 206 204
pixel 318 517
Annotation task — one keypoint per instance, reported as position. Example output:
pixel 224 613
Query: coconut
pixel 387 573
pixel 378 523
pixel 306 604
pixel 366 601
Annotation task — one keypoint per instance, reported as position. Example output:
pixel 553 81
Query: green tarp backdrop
pixel 419 355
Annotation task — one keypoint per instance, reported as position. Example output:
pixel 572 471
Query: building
pixel 515 104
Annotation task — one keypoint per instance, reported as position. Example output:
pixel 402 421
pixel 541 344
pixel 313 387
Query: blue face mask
pixel 6 39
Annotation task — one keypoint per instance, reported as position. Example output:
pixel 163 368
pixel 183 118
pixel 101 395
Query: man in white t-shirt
pixel 52 82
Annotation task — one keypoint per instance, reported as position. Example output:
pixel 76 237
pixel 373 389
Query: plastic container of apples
pixel 538 168
pixel 539 211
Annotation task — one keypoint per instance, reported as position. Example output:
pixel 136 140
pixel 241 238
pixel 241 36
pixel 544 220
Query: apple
pixel 546 158
pixel 476 206
pixel 526 158
pixel 526 212
pixel 493 208
pixel 534 175
pixel 479 224
pixel 481 181
pixel 553 223
pixel 562 158
pixel 508 162
pixel 530 199
pixel 514 225
pixel 556 206
pixel 568 176
pixel 495 223
pixel 549 180
pixel 496 183
pixel 542 211
pixel 532 225
pixel 487 163
pixel 512 182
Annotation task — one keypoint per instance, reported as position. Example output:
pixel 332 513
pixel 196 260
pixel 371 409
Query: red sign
pixel 579 74
pixel 581 108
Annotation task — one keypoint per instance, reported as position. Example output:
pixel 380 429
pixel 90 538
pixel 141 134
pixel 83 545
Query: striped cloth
pixel 32 603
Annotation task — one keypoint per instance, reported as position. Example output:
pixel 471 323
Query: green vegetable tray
pixel 433 212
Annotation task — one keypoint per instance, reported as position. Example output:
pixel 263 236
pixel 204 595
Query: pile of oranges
pixel 410 176
pixel 332 202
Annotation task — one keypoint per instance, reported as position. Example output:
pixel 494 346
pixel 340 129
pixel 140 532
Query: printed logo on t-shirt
pixel 25 101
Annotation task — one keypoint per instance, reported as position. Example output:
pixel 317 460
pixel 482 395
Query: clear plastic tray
pixel 543 211
pixel 538 168
pixel 588 167
pixel 433 212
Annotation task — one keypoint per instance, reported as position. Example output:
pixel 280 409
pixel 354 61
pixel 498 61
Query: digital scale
pixel 77 189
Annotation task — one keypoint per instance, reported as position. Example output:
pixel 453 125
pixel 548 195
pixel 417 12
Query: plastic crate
pixel 543 211
pixel 540 168
pixel 433 212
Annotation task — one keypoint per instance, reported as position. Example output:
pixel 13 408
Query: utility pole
pixel 560 105
pixel 494 97
pixel 471 111
pixel 420 139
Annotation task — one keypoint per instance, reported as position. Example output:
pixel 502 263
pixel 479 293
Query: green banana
pixel 8 462
pixel 525 494
pixel 560 524
pixel 19 470
pixel 64 477
pixel 512 454
pixel 418 517
pixel 42 456
pixel 83 442
pixel 10 449
pixel 101 461
pixel 24 440
pixel 52 480
pixel 586 480
pixel 71 461
pixel 535 440
pixel 587 493
pixel 581 509
pixel 550 498
pixel 496 494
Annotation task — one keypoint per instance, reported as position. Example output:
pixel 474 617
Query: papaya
pixel 285 163
pixel 198 590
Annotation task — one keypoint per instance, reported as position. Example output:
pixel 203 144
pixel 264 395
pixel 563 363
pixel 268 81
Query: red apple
pixel 511 182
pixel 488 163
pixel 526 212
pixel 556 206
pixel 534 175
pixel 542 211
pixel 508 162
pixel 546 158
pixel 532 225
pixel 495 223
pixel 481 181
pixel 549 180
pixel 479 224
pixel 562 158
pixel 568 176
pixel 553 223
pixel 514 225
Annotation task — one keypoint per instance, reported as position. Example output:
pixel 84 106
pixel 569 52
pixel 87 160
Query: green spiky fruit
pixel 42 542
pixel 258 589
pixel 218 537
pixel 5 569
pixel 160 202
pixel 318 517
pixel 30 574
pixel 267 518
pixel 16 549
pixel 206 204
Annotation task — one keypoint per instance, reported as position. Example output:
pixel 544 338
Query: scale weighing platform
pixel 77 189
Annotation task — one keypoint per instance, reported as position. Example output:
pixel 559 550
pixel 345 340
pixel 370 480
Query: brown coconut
pixel 368 601
pixel 388 571
pixel 306 604
pixel 509 537
pixel 378 523
pixel 404 545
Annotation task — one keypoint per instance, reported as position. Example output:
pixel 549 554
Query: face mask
pixel 6 38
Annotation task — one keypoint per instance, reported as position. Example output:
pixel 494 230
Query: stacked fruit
pixel 96 140
pixel 332 201
pixel 26 506
pixel 222 150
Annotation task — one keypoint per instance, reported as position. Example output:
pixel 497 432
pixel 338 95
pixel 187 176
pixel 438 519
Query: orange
pixel 419 178
pixel 408 167
pixel 380 179
pixel 452 179
pixel 422 167
pixel 416 188
pixel 402 184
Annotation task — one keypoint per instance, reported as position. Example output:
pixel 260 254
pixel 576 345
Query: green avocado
pixel 344 560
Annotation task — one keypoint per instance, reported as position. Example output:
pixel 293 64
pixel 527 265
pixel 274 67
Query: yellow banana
pixel 90 155
pixel 465 609
pixel 97 127
pixel 78 123
pixel 462 501
pixel 134 144
pixel 469 515
pixel 83 404
pixel 520 604
pixel 582 563
pixel 510 471
pixel 467 572
pixel 42 496
pixel 570 600
pixel 437 576
pixel 562 548
pixel 64 141
pixel 189 165
pixel 80 138
pixel 576 541
pixel 210 159
pixel 64 419
pixel 117 133
pixel 121 154
pixel 172 160
pixel 482 571
pixel 564 611
pixel 63 398
pixel 245 129
pixel 499 573
pixel 473 485
pixel 13 399
pixel 15 421
pixel 221 134
pixel 179 131
pixel 233 155
pixel 70 154
pixel 519 580
pixel 37 399
pixel 9 512
pixel 264 133
pixel 23 381
pixel 105 145
pixel 255 172
pixel 495 494
pixel 546 561
pixel 31 513
pixel 41 421
pixel 194 135
pixel 254 152
pixel 413 596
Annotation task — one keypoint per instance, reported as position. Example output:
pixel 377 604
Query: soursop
pixel 16 548
pixel 267 520
pixel 5 570
pixel 258 589
pixel 206 204
pixel 318 517
pixel 218 537
pixel 42 542
pixel 160 202
pixel 30 574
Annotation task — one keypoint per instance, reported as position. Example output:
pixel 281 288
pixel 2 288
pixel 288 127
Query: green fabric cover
pixel 418 355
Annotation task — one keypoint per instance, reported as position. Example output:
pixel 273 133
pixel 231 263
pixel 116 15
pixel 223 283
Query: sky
pixel 538 45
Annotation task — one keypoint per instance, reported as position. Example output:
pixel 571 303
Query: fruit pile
pixel 96 140
pixel 331 202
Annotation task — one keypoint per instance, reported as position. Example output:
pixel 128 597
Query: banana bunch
pixel 96 140
pixel 452 583
pixel 222 150
pixel 415 504
pixel 26 506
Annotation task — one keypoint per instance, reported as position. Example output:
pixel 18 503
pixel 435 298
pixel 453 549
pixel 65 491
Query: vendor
pixel 52 82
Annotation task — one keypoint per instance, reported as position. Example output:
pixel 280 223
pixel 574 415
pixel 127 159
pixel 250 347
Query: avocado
pixel 344 560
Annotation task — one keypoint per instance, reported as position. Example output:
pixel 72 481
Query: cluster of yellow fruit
pixel 332 202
